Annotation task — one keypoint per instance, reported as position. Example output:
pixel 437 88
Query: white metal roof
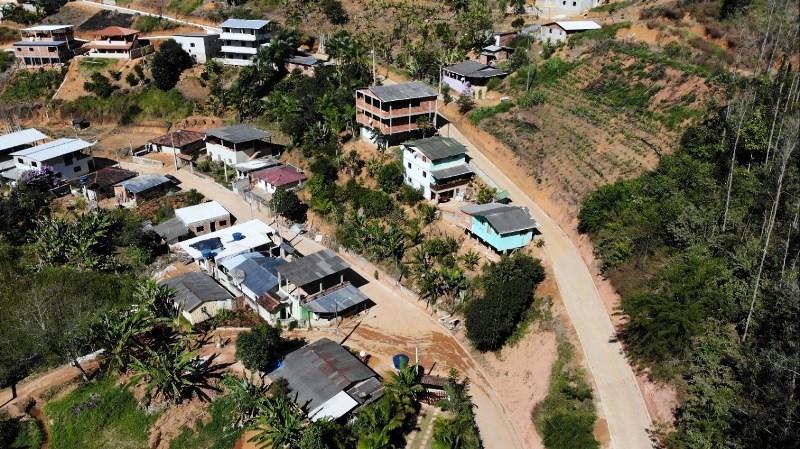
pixel 22 137
pixel 578 25
pixel 334 408
pixel 47 28
pixel 56 148
pixel 202 212
pixel 255 232
pixel 245 23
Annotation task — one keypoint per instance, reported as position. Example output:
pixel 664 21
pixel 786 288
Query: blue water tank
pixel 238 236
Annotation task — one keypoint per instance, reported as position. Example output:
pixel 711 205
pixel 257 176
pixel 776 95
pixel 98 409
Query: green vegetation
pixel 168 63
pixel 149 103
pixel 508 287
pixel 608 31
pixel 8 34
pixel 566 417
pixel 31 86
pixel 98 415
pixel 184 7
pixel 18 434
pixel 260 347
pixel 220 432
pixel 704 253
pixel 490 111
pixel 459 431
pixel 99 85
pixel 286 204
pixel 611 7
pixel 87 66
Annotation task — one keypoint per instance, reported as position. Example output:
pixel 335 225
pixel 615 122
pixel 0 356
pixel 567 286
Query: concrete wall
pixel 200 48
pixel 220 153
pixel 211 308
pixel 553 33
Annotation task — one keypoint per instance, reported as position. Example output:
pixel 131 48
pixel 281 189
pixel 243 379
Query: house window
pixel 574 3
pixel 20 161
pixel 199 229
pixel 424 175
pixel 30 48
pixel 564 2
pixel 19 49
pixel 409 165
pixel 51 49
pixel 223 222
pixel 77 169
pixel 68 159
pixel 34 164
pixel 191 44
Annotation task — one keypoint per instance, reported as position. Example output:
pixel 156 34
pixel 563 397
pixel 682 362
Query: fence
pixel 145 161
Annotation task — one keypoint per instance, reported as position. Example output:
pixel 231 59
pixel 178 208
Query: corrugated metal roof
pixel 474 69
pixel 504 218
pixel 319 371
pixel 337 301
pixel 195 289
pixel 179 138
pixel 211 210
pixel 304 60
pixel 312 268
pixel 21 137
pixel 56 148
pixel 143 183
pixel 437 147
pixel 171 230
pixel 260 275
pixel 280 176
pixel 257 164
pixel 576 25
pixel 245 23
pixel 458 170
pixel 238 133
pixel 47 28
pixel 403 91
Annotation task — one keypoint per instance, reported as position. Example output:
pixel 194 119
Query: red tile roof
pixel 114 31
pixel 280 176
pixel 180 138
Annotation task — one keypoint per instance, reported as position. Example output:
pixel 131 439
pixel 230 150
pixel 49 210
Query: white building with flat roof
pixel 242 38
pixel 204 218
pixel 209 249
pixel 558 31
pixel 200 46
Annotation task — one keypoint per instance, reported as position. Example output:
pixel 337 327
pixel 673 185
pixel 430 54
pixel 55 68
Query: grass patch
pixel 606 32
pixel 127 107
pixel 490 111
pixel 29 435
pixel 146 24
pixel 87 66
pixel 673 116
pixel 566 417
pixel 98 415
pixel 184 7
pixel 618 93
pixel 29 86
pixel 218 433
pixel 539 312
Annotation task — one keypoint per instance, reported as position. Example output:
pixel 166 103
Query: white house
pixel 68 158
pixel 204 218
pixel 438 167
pixel 16 141
pixel 210 249
pixel 556 32
pixel 200 46
pixel 200 296
pixel 241 39
pixel 232 145
pixel 253 276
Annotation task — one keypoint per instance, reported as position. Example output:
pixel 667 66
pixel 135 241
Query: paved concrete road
pixel 620 397
pixel 137 12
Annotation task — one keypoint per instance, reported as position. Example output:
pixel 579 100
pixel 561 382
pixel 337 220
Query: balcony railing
pixel 423 108
pixel 449 185
pixel 385 128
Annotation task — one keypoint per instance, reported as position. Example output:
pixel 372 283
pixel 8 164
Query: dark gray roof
pixel 504 218
pixel 312 268
pixel 171 230
pixel 438 147
pixel 320 371
pixel 304 60
pixel 337 301
pixel 143 183
pixel 238 133
pixel 474 69
pixel 195 289
pixel 450 172
pixel 259 271
pixel 403 91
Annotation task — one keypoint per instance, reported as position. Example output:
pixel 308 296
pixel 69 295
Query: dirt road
pixel 137 12
pixel 619 394
pixel 399 322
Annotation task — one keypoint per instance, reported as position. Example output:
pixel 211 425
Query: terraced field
pixel 578 139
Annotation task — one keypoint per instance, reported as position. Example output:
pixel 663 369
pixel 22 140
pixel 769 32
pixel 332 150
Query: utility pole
pixel 438 94
pixel 174 154
pixel 374 73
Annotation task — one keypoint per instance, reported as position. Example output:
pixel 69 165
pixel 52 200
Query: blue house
pixel 502 226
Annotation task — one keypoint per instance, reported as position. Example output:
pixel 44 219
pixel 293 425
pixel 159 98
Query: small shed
pixel 200 296
pixel 133 191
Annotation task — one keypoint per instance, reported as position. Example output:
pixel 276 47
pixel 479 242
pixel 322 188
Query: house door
pixel 213 226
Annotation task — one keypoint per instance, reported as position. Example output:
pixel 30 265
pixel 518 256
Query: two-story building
pixel 46 45
pixel 232 145
pixel 438 167
pixel 118 43
pixel 470 77
pixel 254 276
pixel 503 227
pixel 242 38
pixel 68 158
pixel 395 110
pixel 201 47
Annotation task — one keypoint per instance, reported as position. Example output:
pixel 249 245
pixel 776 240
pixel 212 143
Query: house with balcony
pixel 68 158
pixel 118 43
pixel 235 144
pixel 503 227
pixel 46 45
pixel 395 110
pixel 438 167
pixel 242 38
pixel 470 77
pixel 319 288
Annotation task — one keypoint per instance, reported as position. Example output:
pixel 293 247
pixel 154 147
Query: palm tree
pixel 120 334
pixel 452 282
pixel 280 425
pixel 450 433
pixel 159 299
pixel 405 384
pixel 471 259
pixel 174 374
pixel 376 422
pixel 246 397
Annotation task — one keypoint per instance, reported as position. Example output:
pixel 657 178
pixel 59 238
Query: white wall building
pixel 201 47
pixel 204 218
pixel 210 249
pixel 235 144
pixel 68 158
pixel 437 166
pixel 241 39
pixel 557 32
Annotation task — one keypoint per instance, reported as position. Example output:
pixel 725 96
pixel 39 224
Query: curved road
pixel 620 397
pixel 207 28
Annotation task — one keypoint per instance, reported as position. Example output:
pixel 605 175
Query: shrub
pixel 334 11
pixel 28 86
pixel 494 83
pixel 532 98
pixel 116 75
pixel 99 85
pixel 287 204
pixel 146 24
pixel 168 64
pixel 465 103
pixel 390 176
pixel 518 23
pixel 409 195
pixel 131 79
pixel 260 347
pixel 483 113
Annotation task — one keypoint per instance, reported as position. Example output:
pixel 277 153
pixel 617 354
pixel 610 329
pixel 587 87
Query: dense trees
pixel 508 288
pixel 704 251
pixel 459 431
pixel 260 347
pixel 168 63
